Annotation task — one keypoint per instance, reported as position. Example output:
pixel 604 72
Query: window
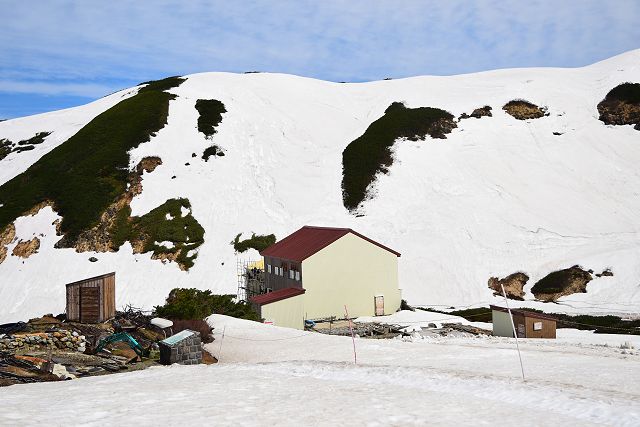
pixel 297 275
pixel 292 274
pixel 269 268
pixel 537 326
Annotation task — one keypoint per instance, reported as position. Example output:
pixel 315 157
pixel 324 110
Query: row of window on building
pixel 279 271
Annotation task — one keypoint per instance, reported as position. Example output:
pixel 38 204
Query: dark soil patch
pixel 371 153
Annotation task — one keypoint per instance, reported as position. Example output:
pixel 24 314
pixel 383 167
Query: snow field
pixel 276 376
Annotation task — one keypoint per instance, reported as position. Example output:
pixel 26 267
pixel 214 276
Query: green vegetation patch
pixel 621 106
pixel 257 242
pixel 211 111
pixel 5 148
pixel 163 224
pixel 371 153
pixel 561 280
pixel 38 138
pixel 192 303
pixel 627 92
pixel 89 171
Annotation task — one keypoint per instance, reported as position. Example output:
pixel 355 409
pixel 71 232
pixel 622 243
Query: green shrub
pixel 257 242
pixel 627 92
pixel 214 150
pixel 371 153
pixel 210 115
pixel 192 303
pixel 184 232
pixel 38 138
pixel 86 173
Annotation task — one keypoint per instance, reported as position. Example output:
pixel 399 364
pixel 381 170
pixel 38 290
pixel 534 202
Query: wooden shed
pixel 528 324
pixel 92 300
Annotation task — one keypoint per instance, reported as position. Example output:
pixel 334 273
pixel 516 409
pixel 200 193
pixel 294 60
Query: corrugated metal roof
pixel 308 240
pixel 276 295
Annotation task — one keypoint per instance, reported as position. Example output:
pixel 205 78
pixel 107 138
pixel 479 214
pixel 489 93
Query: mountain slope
pixel 498 195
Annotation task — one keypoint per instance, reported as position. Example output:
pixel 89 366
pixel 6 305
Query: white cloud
pixel 337 40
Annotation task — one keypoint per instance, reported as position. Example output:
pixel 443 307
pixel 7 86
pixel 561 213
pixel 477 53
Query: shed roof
pixel 102 276
pixel 524 313
pixel 308 240
pixel 276 295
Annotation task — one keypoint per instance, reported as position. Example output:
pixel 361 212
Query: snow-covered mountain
pixel 497 196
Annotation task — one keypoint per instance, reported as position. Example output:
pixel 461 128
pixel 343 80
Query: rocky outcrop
pixel 621 106
pixel 513 285
pixel 7 236
pixel 26 248
pixel 477 113
pixel 562 282
pixel 524 110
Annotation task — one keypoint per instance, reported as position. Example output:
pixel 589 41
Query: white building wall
pixel 351 271
pixel 288 313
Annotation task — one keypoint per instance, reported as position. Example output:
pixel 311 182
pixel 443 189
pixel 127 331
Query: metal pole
pixel 224 328
pixel 513 327
pixel 355 360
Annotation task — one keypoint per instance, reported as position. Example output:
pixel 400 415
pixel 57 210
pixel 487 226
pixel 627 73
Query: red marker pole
pixel 353 339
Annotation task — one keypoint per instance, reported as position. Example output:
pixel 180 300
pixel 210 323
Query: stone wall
pixel 55 340
pixel 185 352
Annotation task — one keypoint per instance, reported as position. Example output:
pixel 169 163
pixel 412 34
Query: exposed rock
pixel 26 248
pixel 513 285
pixel 524 110
pixel 562 282
pixel 477 113
pixel 7 236
pixel 93 259
pixel 148 164
pixel 621 106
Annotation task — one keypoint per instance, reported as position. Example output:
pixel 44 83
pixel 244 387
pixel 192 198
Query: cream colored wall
pixel 288 313
pixel 501 324
pixel 350 271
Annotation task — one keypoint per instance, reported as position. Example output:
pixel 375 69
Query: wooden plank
pixel 89 304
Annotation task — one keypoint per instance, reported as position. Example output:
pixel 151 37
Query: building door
pixel 379 303
pixel 89 304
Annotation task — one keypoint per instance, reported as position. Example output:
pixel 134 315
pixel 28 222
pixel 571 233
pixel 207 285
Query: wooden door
pixel 379 304
pixel 89 304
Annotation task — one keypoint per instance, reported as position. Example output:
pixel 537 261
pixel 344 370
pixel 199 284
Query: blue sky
pixel 56 54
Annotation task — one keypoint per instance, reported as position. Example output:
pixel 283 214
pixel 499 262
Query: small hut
pixel 528 324
pixel 92 300
pixel 184 348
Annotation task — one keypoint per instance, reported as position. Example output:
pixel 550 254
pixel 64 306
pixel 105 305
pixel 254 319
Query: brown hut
pixel 528 324
pixel 92 300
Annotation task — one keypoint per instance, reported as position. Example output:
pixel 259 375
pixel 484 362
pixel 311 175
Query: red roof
pixel 278 295
pixel 308 240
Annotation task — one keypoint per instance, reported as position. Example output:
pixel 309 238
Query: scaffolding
pixel 250 279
